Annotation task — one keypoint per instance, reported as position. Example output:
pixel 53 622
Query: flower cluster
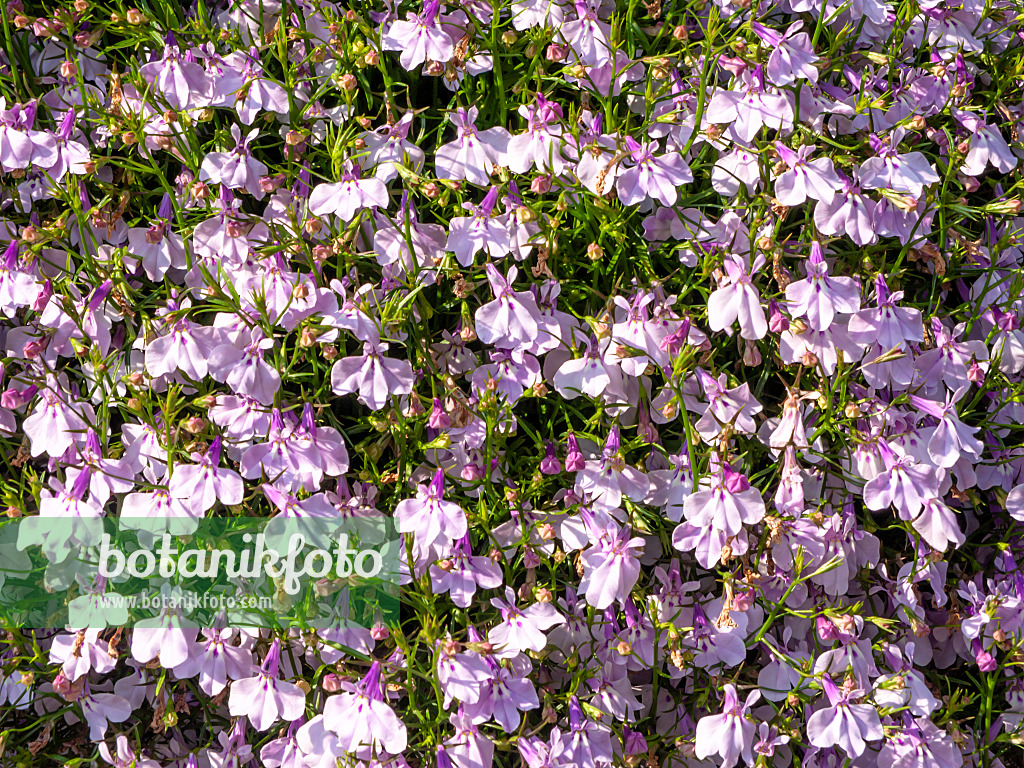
pixel 680 340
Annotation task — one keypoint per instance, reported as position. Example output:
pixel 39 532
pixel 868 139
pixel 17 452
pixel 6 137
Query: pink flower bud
pixel 331 683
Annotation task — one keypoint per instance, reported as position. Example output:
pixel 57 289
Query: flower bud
pixel 975 373
pixel 331 683
pixel 348 82
pixel 135 16
pixel 329 351
pixel 681 32
pixel 531 50
pixel 307 338
pixel 595 252
pixel 194 425
pixel 556 52
pixel 67 69
pixel 379 632
pixel 372 58
pixel 431 190
pixel 544 595
pixel 509 37
pixel 541 184
pixel 200 191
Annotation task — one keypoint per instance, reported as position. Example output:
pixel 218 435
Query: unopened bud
pixel 544 595
pixel 681 32
pixel 348 82
pixel 431 190
pixel 200 191
pixel 595 252
pixel 372 58
pixel 624 648
pixel 194 425
pixel 331 683
pixel 307 338
pixel 329 351
pixel 509 37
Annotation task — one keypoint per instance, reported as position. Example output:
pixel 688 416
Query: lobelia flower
pixel 651 177
pixel 410 243
pixel 461 674
pixel 186 348
pixel 537 13
pixel 284 752
pixel 505 696
pixel 612 568
pixel 512 316
pixel 919 742
pixel 389 147
pixel 606 480
pixel 843 724
pixel 820 296
pixel 236 169
pixel 590 742
pixel 99 710
pixel 910 172
pixel 468 234
pixel 738 299
pixel 951 439
pixel 949 361
pixel 361 718
pixel 727 505
pixel 374 376
pixel 750 109
pixel 245 370
pixel 987 145
pixel 540 145
pixel 468 748
pixel 124 756
pixel 81 652
pixel 816 179
pixel 256 92
pixel 587 36
pixel 181 81
pixel 792 55
pixel 474 152
pixel 54 426
pixel 429 517
pixel 216 659
pixel 17 288
pixel 589 375
pixel 536 753
pixel 521 630
pixel 905 483
pixel 265 698
pixel 202 485
pixel 419 38
pixel 106 476
pixel 348 196
pixel 735 407
pixel 849 213
pixel 156 248
pixel 728 734
pixel 288 455
pixel 733 168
